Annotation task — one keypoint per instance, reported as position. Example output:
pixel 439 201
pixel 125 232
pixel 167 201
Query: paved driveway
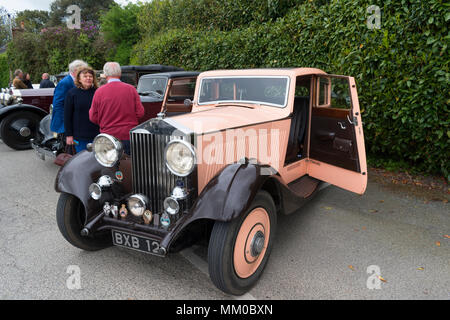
pixel 386 244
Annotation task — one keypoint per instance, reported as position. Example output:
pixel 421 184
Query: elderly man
pixel 116 106
pixel 45 82
pixel 59 95
pixel 18 80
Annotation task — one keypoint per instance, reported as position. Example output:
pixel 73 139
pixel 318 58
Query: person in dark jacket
pixel 79 130
pixel 45 82
pixel 27 80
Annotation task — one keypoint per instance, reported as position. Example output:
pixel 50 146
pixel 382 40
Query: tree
pixel 4 27
pixel 120 27
pixel 90 10
pixel 34 20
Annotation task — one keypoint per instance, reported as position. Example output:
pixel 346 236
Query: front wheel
pixel 18 128
pixel 239 249
pixel 70 216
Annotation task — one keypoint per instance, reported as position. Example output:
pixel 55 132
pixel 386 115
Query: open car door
pixel 336 152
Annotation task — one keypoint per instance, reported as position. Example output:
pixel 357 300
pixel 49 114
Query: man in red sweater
pixel 116 106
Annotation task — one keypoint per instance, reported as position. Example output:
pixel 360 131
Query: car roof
pixel 171 75
pixel 263 72
pixel 151 67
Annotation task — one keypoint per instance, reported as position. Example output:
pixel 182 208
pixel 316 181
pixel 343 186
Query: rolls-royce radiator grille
pixel 150 173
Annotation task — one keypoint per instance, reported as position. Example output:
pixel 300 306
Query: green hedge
pixel 401 69
pixel 4 71
pixel 54 48
pixel 163 15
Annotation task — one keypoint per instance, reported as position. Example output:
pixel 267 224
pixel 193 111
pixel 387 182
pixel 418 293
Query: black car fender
pixel 6 110
pixel 229 194
pixel 81 171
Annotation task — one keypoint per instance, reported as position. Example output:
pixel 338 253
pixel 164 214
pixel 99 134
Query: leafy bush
pixel 161 15
pixel 401 69
pixel 54 48
pixel 4 71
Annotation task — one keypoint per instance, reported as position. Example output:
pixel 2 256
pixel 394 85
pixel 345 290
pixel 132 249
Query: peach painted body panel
pixel 265 142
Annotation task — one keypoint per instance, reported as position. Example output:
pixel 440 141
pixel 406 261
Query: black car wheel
pixel 70 216
pixel 17 128
pixel 239 249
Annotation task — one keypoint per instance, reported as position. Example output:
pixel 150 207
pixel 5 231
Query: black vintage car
pixel 131 74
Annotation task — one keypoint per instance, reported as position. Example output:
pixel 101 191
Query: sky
pixel 20 5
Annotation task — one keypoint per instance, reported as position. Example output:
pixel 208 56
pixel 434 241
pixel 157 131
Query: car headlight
pixel 107 150
pixel 137 204
pixel 171 206
pixel 180 157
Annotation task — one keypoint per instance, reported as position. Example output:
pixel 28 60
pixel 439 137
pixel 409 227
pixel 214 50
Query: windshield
pixel 152 86
pixel 260 90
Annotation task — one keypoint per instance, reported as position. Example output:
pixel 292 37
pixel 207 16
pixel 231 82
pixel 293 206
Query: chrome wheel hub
pixel 257 244
pixel 25 132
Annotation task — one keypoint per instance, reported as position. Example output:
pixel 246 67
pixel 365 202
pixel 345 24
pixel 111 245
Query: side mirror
pixel 188 103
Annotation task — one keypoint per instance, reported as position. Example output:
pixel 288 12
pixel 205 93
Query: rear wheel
pixel 17 128
pixel 70 216
pixel 238 250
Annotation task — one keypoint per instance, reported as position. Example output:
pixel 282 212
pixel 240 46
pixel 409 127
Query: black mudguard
pixel 4 111
pixel 81 171
pixel 226 196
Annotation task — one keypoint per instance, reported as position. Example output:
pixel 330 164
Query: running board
pixel 304 186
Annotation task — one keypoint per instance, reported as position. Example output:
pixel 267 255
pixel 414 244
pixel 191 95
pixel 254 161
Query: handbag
pixel 63 157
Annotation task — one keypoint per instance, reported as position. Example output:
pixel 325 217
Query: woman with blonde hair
pixel 79 129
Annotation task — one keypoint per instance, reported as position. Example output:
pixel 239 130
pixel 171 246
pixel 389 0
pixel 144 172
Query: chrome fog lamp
pixel 179 192
pixel 95 191
pixel 171 206
pixel 137 204
pixel 105 181
pixel 180 157
pixel 107 150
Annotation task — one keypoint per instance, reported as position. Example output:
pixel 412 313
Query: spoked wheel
pixel 238 250
pixel 18 128
pixel 70 216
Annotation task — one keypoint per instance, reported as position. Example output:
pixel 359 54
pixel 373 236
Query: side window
pixel 182 89
pixel 128 78
pixel 334 93
pixel 323 91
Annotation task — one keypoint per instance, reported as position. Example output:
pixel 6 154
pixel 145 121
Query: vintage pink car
pixel 258 143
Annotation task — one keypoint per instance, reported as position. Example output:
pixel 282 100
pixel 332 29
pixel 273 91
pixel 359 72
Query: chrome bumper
pixel 42 153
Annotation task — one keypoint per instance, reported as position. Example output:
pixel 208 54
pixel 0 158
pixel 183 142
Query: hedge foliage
pixel 401 69
pixel 120 28
pixel 4 71
pixel 54 48
pixel 163 15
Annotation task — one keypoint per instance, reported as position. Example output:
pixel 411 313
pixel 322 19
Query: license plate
pixel 134 242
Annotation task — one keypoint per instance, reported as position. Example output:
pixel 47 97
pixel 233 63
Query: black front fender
pixel 230 192
pixel 227 195
pixel 81 171
pixel 4 111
